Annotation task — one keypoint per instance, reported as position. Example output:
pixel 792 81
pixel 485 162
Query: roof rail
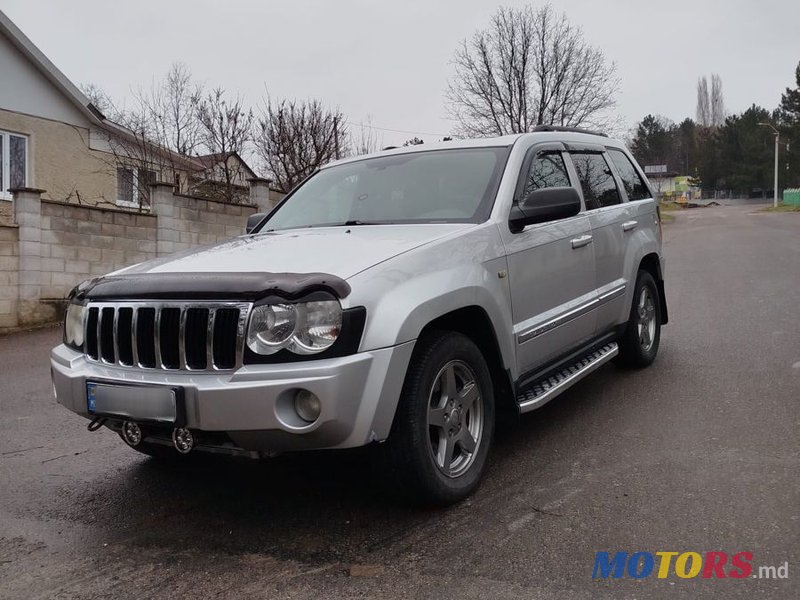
pixel 569 129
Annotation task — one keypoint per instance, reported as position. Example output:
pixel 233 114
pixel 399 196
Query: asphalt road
pixel 700 452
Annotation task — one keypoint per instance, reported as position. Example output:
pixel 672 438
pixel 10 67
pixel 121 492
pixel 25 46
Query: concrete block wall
pixel 52 246
pixel 79 242
pixel 9 270
pixel 186 222
pixel 5 213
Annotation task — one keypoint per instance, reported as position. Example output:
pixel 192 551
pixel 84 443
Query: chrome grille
pixel 192 336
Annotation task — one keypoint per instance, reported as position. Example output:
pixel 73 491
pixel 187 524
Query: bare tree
pixel 226 133
pixel 163 135
pixel 155 138
pixel 710 104
pixel 366 141
pixel 529 67
pixel 703 103
pixel 170 108
pixel 100 99
pixel 134 154
pixel 297 137
pixel 717 102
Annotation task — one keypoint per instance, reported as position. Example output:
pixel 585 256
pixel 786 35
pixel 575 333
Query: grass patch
pixel 782 208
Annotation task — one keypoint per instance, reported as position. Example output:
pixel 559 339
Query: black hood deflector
pixel 210 286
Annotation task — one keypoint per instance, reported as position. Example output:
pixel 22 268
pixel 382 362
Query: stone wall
pixel 52 246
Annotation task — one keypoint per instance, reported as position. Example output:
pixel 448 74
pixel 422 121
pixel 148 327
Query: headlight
pixel 271 327
pixel 302 328
pixel 321 324
pixel 74 325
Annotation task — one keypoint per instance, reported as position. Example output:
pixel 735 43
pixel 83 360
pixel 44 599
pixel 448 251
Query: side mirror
pixel 542 205
pixel 253 220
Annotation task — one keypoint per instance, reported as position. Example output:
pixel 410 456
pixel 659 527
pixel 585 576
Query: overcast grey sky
pixel 391 59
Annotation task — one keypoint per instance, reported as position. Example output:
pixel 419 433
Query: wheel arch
pixel 474 322
pixel 652 264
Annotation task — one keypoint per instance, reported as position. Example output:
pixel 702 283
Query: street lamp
pixel 777 138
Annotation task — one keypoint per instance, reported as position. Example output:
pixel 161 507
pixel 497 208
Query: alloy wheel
pixel 455 418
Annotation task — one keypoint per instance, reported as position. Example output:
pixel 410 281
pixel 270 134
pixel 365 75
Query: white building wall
pixel 24 89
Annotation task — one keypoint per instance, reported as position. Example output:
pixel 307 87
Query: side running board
pixel 541 392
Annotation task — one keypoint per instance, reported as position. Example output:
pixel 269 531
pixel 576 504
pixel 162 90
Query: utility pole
pixel 777 141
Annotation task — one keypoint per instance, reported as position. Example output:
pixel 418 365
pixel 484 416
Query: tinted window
pixel 597 182
pixel 634 186
pixel 16 149
pixel 547 170
pixel 124 184
pixel 451 186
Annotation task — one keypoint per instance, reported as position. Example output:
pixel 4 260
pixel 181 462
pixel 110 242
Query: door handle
pixel 582 241
pixel 628 225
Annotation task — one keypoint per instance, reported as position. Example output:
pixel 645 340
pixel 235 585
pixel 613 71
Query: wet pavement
pixel 700 452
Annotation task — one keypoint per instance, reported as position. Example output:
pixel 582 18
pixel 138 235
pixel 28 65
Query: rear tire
pixel 443 428
pixel 638 346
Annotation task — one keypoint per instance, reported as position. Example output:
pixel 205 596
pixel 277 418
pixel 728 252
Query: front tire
pixel 638 346
pixel 440 438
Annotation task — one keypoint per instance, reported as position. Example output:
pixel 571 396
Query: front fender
pixel 397 320
pixel 405 294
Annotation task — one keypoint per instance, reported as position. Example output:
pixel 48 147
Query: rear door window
pixel 597 182
pixel 634 186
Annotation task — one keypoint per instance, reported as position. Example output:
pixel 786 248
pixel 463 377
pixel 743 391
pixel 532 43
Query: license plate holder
pixel 137 402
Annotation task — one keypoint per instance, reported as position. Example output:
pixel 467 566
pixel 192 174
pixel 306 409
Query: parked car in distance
pixel 402 299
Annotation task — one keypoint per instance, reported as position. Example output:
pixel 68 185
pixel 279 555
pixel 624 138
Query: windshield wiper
pixel 357 222
pixel 350 223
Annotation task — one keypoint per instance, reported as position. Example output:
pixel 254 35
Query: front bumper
pixel 358 393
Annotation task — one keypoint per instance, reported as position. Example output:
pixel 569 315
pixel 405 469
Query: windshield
pixel 438 186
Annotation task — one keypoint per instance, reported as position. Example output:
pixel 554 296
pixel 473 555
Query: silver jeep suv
pixel 404 298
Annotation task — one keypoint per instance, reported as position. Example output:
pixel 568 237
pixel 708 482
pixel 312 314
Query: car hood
pixel 340 251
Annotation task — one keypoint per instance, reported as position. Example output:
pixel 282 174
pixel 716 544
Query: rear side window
pixel 597 182
pixel 634 186
pixel 547 170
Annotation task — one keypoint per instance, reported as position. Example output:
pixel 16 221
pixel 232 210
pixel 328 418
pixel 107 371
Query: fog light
pixel 131 433
pixel 307 406
pixel 183 440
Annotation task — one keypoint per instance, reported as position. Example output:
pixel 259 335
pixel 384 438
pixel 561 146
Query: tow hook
pixel 96 423
pixel 183 440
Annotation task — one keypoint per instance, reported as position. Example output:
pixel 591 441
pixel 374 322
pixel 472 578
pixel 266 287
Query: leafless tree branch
pixel 297 137
pixel 529 67
pixel 226 131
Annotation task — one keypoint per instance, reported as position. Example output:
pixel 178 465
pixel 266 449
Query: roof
pixel 209 160
pixel 543 133
pixel 506 140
